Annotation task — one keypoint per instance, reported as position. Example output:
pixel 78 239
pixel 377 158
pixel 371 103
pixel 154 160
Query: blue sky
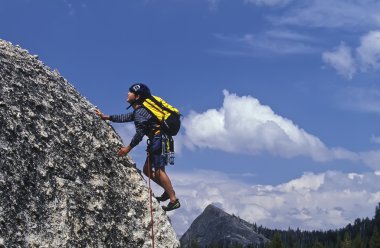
pixel 280 98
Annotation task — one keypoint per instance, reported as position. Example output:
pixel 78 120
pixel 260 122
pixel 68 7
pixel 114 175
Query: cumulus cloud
pixel 341 60
pixel 313 201
pixel 366 57
pixel 243 125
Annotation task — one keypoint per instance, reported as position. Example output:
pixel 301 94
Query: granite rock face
pixel 61 183
pixel 216 228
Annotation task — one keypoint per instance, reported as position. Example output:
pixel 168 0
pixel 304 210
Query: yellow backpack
pixel 168 116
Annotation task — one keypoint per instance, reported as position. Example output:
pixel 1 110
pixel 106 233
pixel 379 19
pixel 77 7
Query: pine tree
pixel 276 242
pixel 377 216
pixel 290 241
pixel 346 243
pixel 357 243
pixel 317 244
pixel 375 239
pixel 338 243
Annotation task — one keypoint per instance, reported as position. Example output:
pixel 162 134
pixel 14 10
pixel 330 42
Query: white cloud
pixel 269 2
pixel 289 35
pixel 371 158
pixel 314 201
pixel 366 57
pixel 369 51
pixel 341 60
pixel 333 14
pixel 243 125
pixel 275 41
pixel 305 184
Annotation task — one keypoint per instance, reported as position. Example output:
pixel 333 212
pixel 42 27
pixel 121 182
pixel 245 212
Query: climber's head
pixel 138 92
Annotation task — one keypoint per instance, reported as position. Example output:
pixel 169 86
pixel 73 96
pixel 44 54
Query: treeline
pixel 363 233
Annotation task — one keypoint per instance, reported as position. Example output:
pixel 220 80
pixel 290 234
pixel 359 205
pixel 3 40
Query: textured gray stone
pixel 61 184
pixel 216 228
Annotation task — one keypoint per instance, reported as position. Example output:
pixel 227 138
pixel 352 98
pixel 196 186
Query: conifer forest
pixel 363 233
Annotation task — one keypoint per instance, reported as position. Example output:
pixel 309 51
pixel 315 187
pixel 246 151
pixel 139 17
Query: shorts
pixel 157 151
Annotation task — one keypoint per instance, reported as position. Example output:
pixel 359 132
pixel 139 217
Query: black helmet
pixel 140 89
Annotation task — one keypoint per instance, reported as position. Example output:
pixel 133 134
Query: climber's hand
pixel 124 151
pixel 101 115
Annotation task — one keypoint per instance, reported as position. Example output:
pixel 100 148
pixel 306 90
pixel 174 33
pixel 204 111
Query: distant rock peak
pixel 216 227
pixel 214 209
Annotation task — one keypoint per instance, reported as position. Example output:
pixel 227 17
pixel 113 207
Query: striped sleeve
pixel 122 118
pixel 141 120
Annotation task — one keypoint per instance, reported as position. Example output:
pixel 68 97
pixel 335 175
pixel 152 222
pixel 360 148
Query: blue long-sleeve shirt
pixel 145 123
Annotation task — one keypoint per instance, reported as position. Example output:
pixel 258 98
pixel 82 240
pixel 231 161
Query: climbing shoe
pixel 163 197
pixel 171 206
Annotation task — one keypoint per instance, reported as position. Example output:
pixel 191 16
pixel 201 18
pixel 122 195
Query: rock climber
pixel 146 124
